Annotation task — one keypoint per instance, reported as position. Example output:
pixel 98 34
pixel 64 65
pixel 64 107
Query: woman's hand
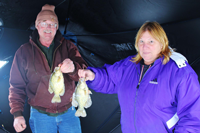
pixel 87 74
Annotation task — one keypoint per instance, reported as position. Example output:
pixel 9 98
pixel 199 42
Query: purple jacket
pixel 168 97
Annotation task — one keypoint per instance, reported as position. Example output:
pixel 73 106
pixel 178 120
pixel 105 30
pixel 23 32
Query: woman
pixel 155 95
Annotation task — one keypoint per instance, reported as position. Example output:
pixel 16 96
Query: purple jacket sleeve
pixel 107 79
pixel 188 107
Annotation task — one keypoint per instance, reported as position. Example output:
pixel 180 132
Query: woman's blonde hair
pixel 156 31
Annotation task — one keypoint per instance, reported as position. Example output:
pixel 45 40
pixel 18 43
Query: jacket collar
pixel 157 61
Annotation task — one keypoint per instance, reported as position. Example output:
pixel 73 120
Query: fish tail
pixel 56 99
pixel 80 112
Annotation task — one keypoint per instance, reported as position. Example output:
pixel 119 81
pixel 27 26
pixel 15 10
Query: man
pixel 32 66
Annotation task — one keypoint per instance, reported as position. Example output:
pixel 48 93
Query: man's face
pixel 47 30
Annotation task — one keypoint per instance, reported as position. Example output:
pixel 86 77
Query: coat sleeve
pixel 17 82
pixel 188 107
pixel 78 61
pixel 107 79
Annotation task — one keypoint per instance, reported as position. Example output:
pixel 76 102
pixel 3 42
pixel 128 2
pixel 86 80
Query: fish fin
pixel 62 92
pixel 80 112
pixel 50 89
pixel 88 103
pixel 89 91
pixel 74 102
pixel 56 99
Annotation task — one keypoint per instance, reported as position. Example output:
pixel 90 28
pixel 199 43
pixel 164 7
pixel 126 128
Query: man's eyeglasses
pixel 45 25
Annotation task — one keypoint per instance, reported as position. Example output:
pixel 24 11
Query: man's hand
pixel 19 124
pixel 67 66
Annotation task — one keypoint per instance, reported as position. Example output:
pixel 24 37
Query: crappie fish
pixel 81 98
pixel 56 85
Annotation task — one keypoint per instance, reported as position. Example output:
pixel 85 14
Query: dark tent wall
pixel 108 16
pixel 104 32
pixel 184 37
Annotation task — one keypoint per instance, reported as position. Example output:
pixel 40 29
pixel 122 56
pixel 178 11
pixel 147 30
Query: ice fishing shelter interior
pixel 104 32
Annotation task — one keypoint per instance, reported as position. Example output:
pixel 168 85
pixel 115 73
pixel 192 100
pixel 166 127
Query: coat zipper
pixel 137 89
pixel 46 58
pixel 51 65
pixel 44 55
pixel 53 57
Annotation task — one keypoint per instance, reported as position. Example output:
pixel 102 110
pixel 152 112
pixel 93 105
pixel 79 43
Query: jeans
pixel 65 123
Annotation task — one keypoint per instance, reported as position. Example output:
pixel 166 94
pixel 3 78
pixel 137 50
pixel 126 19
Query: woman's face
pixel 149 48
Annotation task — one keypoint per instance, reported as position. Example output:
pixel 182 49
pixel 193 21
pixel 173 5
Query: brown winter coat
pixel 30 73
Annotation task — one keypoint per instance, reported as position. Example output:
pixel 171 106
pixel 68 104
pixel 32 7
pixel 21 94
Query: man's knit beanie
pixel 47 13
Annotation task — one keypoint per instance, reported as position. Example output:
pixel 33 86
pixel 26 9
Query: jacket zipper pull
pixel 138 85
